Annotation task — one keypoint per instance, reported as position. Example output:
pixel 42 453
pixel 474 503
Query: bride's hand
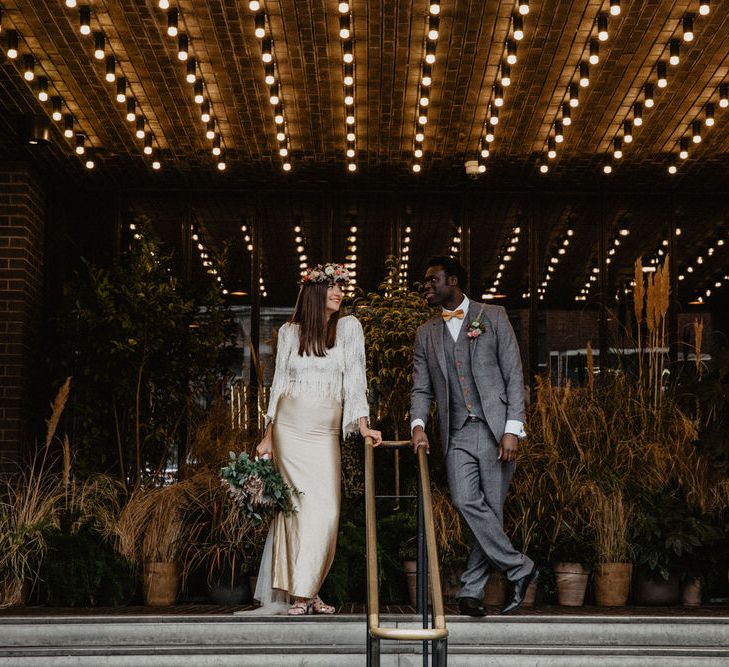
pixel 265 449
pixel 375 435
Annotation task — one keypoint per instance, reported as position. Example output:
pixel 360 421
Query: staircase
pixel 339 641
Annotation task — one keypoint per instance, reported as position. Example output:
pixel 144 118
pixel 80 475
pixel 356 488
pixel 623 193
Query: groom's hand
pixel 420 439
pixel 508 447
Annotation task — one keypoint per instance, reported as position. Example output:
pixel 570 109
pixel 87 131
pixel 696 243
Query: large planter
pixel 495 590
pixel 571 581
pixel 161 583
pixel 656 593
pixel 411 577
pixel 225 593
pixel 612 584
pixel 691 593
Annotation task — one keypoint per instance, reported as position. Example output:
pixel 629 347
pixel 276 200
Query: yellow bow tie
pixel 458 314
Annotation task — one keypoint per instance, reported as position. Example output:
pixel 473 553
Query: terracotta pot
pixel 411 577
pixel 657 593
pixel 161 582
pixel 571 581
pixel 495 590
pixel 531 595
pixel 612 584
pixel 691 593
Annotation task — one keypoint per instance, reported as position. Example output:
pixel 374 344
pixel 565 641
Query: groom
pixel 467 359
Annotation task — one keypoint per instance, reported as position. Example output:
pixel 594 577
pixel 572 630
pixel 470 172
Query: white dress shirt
pixel 454 325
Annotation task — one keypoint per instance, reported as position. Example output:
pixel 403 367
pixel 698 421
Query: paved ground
pixel 196 609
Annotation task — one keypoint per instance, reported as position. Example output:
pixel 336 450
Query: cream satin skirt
pixel 306 451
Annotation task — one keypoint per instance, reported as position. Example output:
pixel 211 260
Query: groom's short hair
pixel 451 267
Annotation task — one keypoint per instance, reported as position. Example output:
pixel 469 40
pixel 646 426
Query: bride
pixel 319 389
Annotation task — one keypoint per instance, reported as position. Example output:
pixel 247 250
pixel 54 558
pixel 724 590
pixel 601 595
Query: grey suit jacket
pixel 495 363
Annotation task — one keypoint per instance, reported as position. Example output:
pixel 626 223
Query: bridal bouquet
pixel 257 487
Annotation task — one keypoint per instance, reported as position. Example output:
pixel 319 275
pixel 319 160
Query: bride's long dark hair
pixel 316 335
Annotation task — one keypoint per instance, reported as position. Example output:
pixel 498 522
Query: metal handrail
pixel 439 631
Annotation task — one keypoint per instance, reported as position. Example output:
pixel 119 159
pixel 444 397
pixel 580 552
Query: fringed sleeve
pixel 355 376
pixel 281 373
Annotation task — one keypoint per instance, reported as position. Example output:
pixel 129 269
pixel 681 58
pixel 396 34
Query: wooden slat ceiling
pixel 388 51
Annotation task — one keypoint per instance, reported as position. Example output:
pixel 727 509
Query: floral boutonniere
pixel 477 326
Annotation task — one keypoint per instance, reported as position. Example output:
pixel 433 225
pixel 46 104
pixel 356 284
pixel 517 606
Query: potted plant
pixel 573 556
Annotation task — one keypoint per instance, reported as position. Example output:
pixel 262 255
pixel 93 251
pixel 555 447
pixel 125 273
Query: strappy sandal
pixel 300 608
pixel 318 606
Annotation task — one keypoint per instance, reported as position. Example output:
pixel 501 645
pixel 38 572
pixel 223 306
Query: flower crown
pixel 332 274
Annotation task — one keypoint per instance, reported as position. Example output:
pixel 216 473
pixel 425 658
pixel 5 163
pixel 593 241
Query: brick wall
pixel 22 217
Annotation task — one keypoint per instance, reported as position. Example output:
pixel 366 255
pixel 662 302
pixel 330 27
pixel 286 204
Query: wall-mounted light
pixel 259 23
pixel 90 164
pixel 80 148
pixel 191 70
pixel 430 53
pixel 573 95
pixel 140 127
pixel 11 41
pixel 28 67
pixel 38 129
pixel 615 7
pixel 99 46
pixel 661 73
pixel 584 74
pixel 347 51
pixel 523 7
pixel 551 148
pixel 131 110
pixel 627 132
pixel 41 86
pixel 637 114
pixel 688 28
pixel 148 143
pixel 267 50
pixel 558 132
pixel 696 131
pixel 217 149
pixel 505 74
pixel 709 115
pixel 68 126
pixel 648 95
pixel 183 46
pixel 345 31
pixel 56 106
pixel 173 18
pixel 602 27
pixel 566 114
pixel 274 96
pixel 674 48
pixel 683 148
pixel 210 132
pixel 672 166
pixel 205 111
pixel 594 52
pixel 511 51
pixel 704 7
pixel 110 69
pixel 198 91
pixel 724 95
pixel 617 148
pixel 517 25
pixel 84 20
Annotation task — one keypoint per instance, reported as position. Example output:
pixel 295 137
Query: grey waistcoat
pixel 462 391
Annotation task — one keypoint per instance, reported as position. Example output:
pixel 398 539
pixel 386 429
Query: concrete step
pixel 324 641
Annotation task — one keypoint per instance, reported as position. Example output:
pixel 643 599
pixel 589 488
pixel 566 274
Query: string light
pixel 347 43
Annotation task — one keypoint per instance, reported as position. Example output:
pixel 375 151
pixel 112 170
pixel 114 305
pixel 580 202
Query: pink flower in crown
pixel 476 327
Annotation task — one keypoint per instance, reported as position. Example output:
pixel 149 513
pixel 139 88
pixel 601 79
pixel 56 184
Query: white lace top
pixel 340 375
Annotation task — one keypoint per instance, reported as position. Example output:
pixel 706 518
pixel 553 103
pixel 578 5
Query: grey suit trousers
pixel 479 483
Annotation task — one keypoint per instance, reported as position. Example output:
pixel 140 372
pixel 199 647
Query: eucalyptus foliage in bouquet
pixel 257 487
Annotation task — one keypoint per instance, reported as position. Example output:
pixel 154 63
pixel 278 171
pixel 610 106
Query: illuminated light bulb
pixel 416 168
pixel 121 90
pixel 481 168
pixel 68 126
pixel 551 148
pixel 543 168
pixel 350 136
pixel 267 50
pixel 90 164
pixel 671 170
pixel 419 137
pixel 498 95
pixel 70 4
pixel 183 44
pixel 221 165
pixel 172 22
pixel 696 131
pixel 648 95
pixel 511 52
pixel 274 97
pixel 637 114
pixel 493 115
pixel 558 132
pixel 164 4
pixel 566 114
pixel 683 148
pixel 688 28
pixel 434 8
pixel 709 115
pixel 348 52
pixel 84 19
pixel 505 75
pixel 343 7
pixel 352 166
pixel 430 53
pixel 617 148
pixel 348 75
pixel 28 67
pixel 627 132
pixel 205 111
pixel 110 69
pixel 584 75
pixel 594 52
pixel 210 132
pixel 517 23
pixel 148 144
pixel 349 98
pixel 283 151
pixel 99 45
pixel 662 74
pixel 254 5
pixel 574 95
pixel 80 149
pixel 140 127
pixel 607 169
pixel 602 27
pixel 286 167
pixel 433 28
pixel 489 136
pixel 42 88
pixel 523 7
pixel 724 95
pixel 198 91
pixel 615 7
pixel 704 7
pixel 280 136
pixel 131 110
pixel 270 74
pixel 424 101
pixel 351 152
pixel 674 50
pixel 259 21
